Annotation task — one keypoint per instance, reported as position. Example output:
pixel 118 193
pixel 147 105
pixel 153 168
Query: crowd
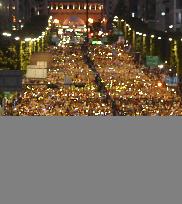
pixel 69 89
pixel 96 81
pixel 135 92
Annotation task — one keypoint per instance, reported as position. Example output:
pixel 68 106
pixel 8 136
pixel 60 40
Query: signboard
pixel 96 42
pixel 42 64
pixel 10 80
pixel 171 81
pixel 36 73
pixel 152 61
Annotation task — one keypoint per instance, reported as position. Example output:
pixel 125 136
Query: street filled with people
pixel 69 89
pixel 96 80
pixel 135 91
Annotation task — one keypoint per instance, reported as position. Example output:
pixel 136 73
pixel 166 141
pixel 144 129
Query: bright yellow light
pixel 90 20
pixel 56 21
pixel 27 39
pixel 17 38
pixel 170 39
pixel 159 84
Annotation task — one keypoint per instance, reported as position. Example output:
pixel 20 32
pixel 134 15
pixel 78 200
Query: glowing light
pixel 90 20
pixel 56 21
pixel 171 26
pixel 17 38
pixel 6 34
pixel 170 39
pixel 159 84
pixel 27 39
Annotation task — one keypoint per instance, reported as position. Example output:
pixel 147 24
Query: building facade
pixel 66 13
pixel 161 14
pixel 4 14
pixel 15 13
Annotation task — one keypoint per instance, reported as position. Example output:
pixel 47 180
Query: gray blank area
pixel 90 161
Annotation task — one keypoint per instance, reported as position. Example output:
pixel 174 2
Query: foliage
pixel 9 58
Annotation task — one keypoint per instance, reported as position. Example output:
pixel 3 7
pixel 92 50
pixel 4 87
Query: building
pixel 161 14
pixel 17 12
pixel 73 13
pixel 4 14
pixel 40 7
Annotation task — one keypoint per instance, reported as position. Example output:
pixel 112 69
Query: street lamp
pixel 170 39
pixel 17 38
pixel 6 34
pixel 116 19
pixel 163 14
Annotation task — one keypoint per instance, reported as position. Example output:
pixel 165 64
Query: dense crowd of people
pixel 136 91
pixel 97 80
pixel 69 89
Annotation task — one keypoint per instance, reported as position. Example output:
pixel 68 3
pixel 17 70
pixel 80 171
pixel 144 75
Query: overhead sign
pixel 96 42
pixel 152 61
pixel 171 81
pixel 10 80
